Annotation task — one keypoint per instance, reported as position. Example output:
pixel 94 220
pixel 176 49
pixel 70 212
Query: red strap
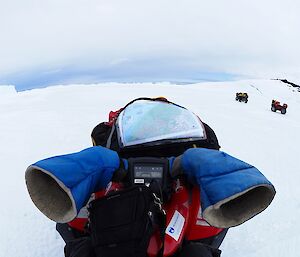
pixel 112 117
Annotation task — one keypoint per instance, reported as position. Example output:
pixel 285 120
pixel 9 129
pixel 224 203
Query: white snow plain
pixel 40 123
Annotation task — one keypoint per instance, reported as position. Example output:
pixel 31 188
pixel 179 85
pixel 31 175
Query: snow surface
pixel 57 120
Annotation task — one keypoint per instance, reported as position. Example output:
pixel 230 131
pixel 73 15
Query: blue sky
pixel 61 42
pixel 135 72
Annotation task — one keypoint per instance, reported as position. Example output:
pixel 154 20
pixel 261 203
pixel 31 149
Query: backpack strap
pixel 108 142
pixel 161 221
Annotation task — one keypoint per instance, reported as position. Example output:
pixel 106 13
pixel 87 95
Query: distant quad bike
pixel 241 97
pixel 277 106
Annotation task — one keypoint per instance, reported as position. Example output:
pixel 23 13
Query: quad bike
pixel 277 106
pixel 241 97
pixel 148 208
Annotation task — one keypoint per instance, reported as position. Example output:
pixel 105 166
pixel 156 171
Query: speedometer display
pixel 141 171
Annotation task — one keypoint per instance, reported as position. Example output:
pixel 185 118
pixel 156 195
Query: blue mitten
pixel 60 186
pixel 232 191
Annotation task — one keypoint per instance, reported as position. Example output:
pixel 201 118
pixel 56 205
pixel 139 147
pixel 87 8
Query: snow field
pixel 57 120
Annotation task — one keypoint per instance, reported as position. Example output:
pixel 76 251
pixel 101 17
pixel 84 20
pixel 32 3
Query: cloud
pixel 252 38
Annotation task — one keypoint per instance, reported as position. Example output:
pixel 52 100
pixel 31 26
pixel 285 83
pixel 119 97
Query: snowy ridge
pixel 7 90
pixel 56 120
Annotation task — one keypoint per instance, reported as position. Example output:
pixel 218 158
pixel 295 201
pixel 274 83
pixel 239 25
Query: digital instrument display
pixel 150 172
pixel 147 171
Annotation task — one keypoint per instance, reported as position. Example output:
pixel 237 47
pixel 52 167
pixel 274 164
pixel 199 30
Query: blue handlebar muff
pixel 60 186
pixel 232 191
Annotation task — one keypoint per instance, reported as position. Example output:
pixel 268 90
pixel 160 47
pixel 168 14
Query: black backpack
pixel 105 134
